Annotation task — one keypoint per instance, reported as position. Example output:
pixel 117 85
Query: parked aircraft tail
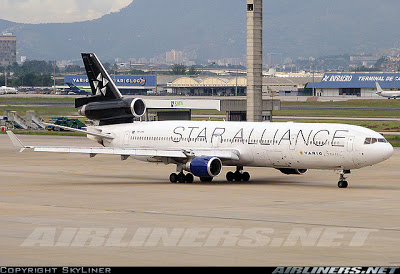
pixel 378 88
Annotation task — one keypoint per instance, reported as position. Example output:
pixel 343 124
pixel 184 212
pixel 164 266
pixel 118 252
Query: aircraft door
pixel 350 144
pixel 216 138
pixel 126 138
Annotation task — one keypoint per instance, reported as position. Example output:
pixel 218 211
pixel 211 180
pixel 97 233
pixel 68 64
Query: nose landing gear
pixel 342 180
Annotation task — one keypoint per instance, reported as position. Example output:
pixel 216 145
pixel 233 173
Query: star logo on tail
pixel 101 85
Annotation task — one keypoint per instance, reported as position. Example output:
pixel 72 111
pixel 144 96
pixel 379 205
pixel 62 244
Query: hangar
pixel 236 86
pixel 354 84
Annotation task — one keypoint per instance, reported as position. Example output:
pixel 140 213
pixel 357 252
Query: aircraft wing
pixel 226 154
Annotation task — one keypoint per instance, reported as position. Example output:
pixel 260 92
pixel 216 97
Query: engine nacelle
pixel 204 166
pixel 138 107
pixel 114 111
pixel 293 171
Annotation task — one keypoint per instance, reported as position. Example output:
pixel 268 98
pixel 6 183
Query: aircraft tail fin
pixel 100 81
pixel 102 86
pixel 378 88
pixel 73 88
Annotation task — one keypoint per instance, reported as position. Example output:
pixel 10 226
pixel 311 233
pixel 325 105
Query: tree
pixel 192 71
pixel 178 69
pixel 72 68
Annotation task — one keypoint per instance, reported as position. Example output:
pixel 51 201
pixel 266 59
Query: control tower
pixel 254 60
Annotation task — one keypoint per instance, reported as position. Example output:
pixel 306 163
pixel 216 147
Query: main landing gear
pixel 238 175
pixel 188 178
pixel 181 178
pixel 342 180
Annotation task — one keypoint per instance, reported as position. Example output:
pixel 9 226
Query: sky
pixel 57 11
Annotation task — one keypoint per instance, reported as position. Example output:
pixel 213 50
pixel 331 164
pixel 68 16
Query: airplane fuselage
pixel 390 94
pixel 278 145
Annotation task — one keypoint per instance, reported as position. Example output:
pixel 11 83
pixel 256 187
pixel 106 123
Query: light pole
pixel 54 77
pixel 312 60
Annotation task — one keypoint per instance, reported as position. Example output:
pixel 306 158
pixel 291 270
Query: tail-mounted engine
pixel 114 111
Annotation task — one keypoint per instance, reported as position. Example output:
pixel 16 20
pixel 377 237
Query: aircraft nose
pixel 384 152
pixel 388 151
pixel 378 153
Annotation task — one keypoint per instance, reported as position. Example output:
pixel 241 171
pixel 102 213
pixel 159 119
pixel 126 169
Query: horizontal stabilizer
pixel 79 102
pixel 107 136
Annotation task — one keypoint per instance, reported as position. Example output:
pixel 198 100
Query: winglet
pixel 16 142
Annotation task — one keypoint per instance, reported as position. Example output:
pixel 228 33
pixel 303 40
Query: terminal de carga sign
pixel 358 80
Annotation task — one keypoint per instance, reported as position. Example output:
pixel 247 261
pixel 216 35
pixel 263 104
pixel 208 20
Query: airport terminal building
pixel 354 84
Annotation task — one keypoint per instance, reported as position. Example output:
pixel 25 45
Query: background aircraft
pixel 388 94
pixel 79 90
pixel 8 90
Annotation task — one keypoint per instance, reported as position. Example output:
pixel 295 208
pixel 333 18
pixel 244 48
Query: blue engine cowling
pixel 205 166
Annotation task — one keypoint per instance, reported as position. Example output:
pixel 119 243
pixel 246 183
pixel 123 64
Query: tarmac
pixel 72 210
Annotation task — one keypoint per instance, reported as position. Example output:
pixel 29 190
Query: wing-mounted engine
pixel 293 171
pixel 204 166
pixel 107 104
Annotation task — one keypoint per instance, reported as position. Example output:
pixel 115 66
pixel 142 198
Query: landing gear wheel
pixel 230 176
pixel 342 184
pixel 189 178
pixel 245 176
pixel 173 178
pixel 206 179
pixel 181 178
pixel 238 176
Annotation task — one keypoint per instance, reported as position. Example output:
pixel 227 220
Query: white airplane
pixel 7 90
pixel 388 94
pixel 202 148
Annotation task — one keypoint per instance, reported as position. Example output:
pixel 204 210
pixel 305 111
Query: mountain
pixel 216 29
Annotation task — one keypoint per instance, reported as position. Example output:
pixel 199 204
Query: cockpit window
pixel 369 141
